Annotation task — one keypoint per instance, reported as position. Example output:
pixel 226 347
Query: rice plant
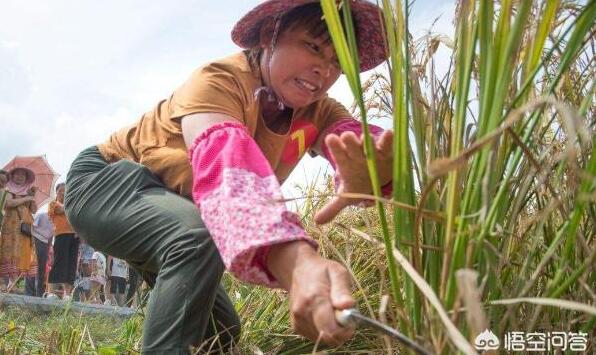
pixel 494 178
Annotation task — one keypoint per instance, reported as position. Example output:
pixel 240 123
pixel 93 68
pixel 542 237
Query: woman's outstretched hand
pixel 350 161
pixel 317 287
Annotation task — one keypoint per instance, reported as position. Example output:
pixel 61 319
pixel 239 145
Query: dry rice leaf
pixel 575 306
pixel 571 123
pixel 442 166
pixel 469 293
pixel 458 339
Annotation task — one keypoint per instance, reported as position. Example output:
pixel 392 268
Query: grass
pixel 24 332
pixel 492 220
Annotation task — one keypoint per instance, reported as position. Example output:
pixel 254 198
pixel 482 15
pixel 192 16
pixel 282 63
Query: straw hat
pixel 367 17
pixel 30 175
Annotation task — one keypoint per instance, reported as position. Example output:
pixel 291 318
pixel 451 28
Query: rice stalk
pixel 502 151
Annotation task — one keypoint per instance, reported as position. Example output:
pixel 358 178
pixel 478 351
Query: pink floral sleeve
pixel 237 193
pixel 345 125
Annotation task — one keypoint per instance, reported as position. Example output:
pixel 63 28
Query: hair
pixel 14 171
pixel 309 17
pixel 59 186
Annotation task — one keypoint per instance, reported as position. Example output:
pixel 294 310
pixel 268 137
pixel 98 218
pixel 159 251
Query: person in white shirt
pixel 98 277
pixel 43 231
pixel 84 267
pixel 118 274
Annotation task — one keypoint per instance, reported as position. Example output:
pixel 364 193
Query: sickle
pixel 352 318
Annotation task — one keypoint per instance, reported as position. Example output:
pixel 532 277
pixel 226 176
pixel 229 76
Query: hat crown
pixel 372 48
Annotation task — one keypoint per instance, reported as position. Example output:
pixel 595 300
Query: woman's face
pixel 302 68
pixel 60 193
pixel 19 176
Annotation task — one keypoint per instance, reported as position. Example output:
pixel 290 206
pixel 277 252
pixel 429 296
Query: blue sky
pixel 72 72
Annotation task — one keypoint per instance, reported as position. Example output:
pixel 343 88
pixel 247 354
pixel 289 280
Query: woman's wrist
pixel 283 259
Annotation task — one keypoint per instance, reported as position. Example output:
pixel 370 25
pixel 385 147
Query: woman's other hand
pixel 317 287
pixel 348 152
pixel 32 190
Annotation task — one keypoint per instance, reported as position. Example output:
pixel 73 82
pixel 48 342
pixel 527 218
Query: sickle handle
pixel 345 317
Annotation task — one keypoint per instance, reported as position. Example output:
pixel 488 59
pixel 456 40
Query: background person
pixel 66 249
pixel 83 289
pixel 97 278
pixel 117 277
pixel 43 232
pixel 17 250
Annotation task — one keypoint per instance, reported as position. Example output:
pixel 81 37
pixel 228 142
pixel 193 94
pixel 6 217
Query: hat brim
pixel 372 48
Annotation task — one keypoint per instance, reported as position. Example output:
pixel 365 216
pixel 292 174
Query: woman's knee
pixel 99 201
pixel 196 255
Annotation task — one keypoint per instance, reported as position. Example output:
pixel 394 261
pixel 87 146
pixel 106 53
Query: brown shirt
pixel 225 86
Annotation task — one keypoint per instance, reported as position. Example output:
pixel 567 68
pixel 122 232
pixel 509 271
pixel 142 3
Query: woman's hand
pixel 317 287
pixel 59 208
pixel 348 153
pixel 32 190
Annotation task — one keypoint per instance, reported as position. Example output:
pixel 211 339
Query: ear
pixel 266 33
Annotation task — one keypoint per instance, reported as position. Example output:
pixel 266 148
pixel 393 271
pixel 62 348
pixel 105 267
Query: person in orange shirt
pixel 66 248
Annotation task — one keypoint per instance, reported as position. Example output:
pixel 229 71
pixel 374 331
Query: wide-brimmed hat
pixel 372 50
pixel 30 175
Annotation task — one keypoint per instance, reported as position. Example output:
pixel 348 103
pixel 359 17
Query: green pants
pixel 123 210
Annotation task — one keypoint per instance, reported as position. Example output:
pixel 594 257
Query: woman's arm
pixel 33 207
pixel 235 189
pixel 17 201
